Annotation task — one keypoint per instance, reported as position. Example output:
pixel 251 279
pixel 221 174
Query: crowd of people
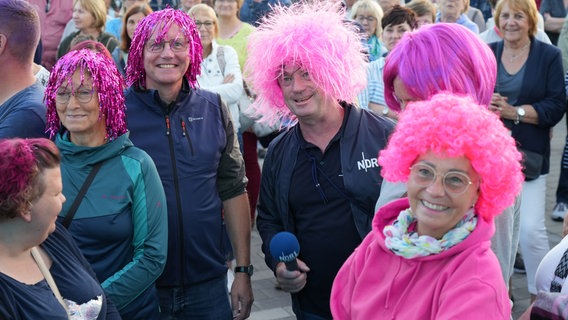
pixel 130 131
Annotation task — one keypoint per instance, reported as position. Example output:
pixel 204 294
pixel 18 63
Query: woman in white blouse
pixel 220 70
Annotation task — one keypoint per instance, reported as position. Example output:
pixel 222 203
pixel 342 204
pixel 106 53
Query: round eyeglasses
pixel 176 45
pixel 455 183
pixel 369 19
pixel 82 95
pixel 207 24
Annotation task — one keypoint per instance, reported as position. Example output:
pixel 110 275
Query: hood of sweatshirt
pixel 387 215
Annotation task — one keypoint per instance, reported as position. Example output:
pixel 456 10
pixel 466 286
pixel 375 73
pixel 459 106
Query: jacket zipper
pixel 186 135
pixel 178 199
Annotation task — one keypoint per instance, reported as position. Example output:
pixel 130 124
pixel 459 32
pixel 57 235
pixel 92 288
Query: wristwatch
pixel 520 114
pixel 385 110
pixel 245 269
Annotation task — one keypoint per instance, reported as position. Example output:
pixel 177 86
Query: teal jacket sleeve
pixel 149 215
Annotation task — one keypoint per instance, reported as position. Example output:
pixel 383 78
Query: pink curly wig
pixel 21 164
pixel 158 24
pixel 314 37
pixel 107 81
pixel 441 57
pixel 453 126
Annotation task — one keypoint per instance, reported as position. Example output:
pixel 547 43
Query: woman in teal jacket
pixel 120 222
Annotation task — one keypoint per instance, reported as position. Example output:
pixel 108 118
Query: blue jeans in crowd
pixel 205 300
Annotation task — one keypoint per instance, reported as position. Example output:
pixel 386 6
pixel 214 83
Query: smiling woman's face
pixel 80 115
pixel 435 208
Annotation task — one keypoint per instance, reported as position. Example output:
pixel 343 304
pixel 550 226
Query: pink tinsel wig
pixel 107 81
pixel 158 24
pixel 314 37
pixel 441 57
pixel 453 126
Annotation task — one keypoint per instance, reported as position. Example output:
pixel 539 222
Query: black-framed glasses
pixel 83 95
pixel 455 183
pixel 176 45
pixel 362 19
pixel 207 24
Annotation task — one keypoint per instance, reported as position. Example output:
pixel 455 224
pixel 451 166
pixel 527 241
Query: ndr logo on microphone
pixel 288 257
pixel 367 163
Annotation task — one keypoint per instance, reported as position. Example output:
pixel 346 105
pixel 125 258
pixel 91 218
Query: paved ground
pixel 273 304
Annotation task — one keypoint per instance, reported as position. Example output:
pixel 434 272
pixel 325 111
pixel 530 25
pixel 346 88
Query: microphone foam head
pixel 284 247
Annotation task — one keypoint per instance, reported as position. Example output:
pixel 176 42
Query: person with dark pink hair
pixel 431 249
pixel 320 177
pixel 43 274
pixel 189 134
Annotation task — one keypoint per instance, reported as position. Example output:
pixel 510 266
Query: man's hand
pixel 241 296
pixel 292 281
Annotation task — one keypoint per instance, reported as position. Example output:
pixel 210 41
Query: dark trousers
pixel 207 300
pixel 562 190
pixel 252 168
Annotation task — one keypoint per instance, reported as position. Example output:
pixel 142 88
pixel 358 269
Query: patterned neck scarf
pixel 374 47
pixel 409 244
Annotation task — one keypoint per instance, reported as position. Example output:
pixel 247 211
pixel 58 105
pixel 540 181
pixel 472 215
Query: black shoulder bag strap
pixel 73 209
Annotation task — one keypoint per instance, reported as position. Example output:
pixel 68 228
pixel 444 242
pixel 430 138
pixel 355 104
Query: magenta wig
pixel 158 24
pixel 441 57
pixel 453 126
pixel 314 37
pixel 21 164
pixel 107 81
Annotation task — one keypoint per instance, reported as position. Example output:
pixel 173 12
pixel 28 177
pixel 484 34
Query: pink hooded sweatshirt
pixel 463 282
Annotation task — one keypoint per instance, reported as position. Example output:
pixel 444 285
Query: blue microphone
pixel 284 247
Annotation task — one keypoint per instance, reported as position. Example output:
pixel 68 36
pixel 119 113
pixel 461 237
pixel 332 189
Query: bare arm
pixel 237 219
pixel 553 24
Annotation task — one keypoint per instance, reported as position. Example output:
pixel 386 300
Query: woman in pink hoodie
pixel 428 255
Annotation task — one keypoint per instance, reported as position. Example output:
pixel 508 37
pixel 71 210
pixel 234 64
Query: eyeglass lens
pixel 453 182
pixel 176 45
pixel 82 95
pixel 365 18
pixel 206 24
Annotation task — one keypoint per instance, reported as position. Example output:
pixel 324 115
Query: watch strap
pixel 245 269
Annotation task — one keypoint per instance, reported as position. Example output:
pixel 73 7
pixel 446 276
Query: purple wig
pixel 453 126
pixel 158 24
pixel 314 37
pixel 441 57
pixel 107 81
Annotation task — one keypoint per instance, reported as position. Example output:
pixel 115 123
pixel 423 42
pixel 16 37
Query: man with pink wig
pixel 428 255
pixel 469 70
pixel 189 134
pixel 320 177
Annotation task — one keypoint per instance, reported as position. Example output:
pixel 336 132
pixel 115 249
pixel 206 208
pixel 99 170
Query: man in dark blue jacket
pixel 320 178
pixel 189 134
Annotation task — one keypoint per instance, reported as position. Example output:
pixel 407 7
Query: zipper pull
pixel 183 130
pixel 167 125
